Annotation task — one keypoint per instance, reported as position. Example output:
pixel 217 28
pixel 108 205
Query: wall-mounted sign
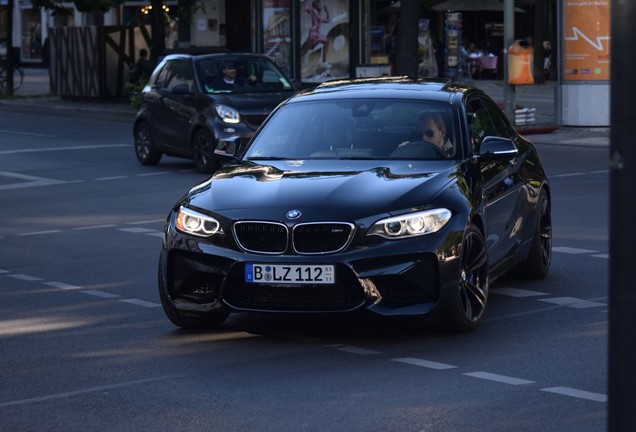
pixel 586 40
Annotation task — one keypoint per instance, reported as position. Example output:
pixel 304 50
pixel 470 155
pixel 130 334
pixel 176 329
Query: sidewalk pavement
pixel 35 91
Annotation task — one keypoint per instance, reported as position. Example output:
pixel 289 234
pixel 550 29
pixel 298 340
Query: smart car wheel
pixel 467 308
pixel 146 154
pixel 537 263
pixel 203 152
pixel 209 320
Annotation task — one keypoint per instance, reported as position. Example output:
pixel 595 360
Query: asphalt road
pixel 84 344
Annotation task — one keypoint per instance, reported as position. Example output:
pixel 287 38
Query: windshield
pixel 359 129
pixel 240 74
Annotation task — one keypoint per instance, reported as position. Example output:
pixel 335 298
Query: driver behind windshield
pixel 230 80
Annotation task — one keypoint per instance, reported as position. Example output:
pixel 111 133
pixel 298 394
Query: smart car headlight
pixel 228 114
pixel 191 222
pixel 412 224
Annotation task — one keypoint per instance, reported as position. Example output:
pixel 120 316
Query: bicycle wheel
pixel 18 77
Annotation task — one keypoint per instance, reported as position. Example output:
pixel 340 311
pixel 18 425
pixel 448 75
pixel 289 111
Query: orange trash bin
pixel 520 63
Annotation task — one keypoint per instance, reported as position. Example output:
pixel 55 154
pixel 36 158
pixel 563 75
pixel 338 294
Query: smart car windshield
pixel 359 129
pixel 240 74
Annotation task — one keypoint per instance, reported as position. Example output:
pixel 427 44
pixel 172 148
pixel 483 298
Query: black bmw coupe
pixel 398 196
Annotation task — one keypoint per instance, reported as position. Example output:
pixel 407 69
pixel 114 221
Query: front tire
pixel 203 152
pixel 144 150
pixel 469 303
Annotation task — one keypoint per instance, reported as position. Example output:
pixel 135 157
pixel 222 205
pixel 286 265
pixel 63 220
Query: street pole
pixel 509 36
pixel 10 65
pixel 622 292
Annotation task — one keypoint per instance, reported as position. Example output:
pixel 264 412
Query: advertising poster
pixel 324 40
pixel 277 39
pixel 586 40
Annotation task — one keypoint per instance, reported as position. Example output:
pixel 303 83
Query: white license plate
pixel 290 274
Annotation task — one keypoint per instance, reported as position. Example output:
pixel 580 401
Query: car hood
pixel 252 103
pixel 346 189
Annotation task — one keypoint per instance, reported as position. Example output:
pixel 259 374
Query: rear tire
pixel 469 303
pixel 203 152
pixel 144 150
pixel 207 321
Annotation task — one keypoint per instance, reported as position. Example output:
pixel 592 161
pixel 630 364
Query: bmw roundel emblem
pixel 293 214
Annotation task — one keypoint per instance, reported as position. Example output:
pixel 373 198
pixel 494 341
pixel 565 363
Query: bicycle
pixel 18 75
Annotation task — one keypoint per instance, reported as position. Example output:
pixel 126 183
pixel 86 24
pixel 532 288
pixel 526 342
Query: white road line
pixel 84 391
pixel 101 294
pixel 572 302
pixel 498 378
pixel 356 350
pixel 142 303
pixel 424 363
pixel 580 394
pixel 25 277
pixel 39 233
pixel 62 285
pixel 13 132
pixel 94 227
pixel 28 181
pixel 156 234
pixel 110 178
pixel 4 271
pixel 572 251
pixel 153 174
pixel 606 256
pixel 63 148
pixel 516 292
pixel 137 230
pixel 146 222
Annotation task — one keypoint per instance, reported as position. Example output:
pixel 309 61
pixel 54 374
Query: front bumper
pixel 407 277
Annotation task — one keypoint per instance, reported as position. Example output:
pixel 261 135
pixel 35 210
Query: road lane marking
pixel 606 256
pixel 94 227
pixel 580 394
pixel 355 350
pixel 424 363
pixel 516 292
pixel 34 233
pixel 27 181
pixel 85 391
pixel 110 178
pixel 572 302
pixel 572 251
pixel 101 294
pixel 63 148
pixel 25 277
pixel 156 234
pixel 137 230
pixel 33 134
pixel 62 285
pixel 498 378
pixel 144 222
pixel 141 303
pixel 153 173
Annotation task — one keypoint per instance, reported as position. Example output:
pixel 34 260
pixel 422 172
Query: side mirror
pixel 181 89
pixel 496 147
pixel 229 148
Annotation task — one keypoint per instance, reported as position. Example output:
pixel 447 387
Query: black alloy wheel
pixel 203 152
pixel 146 154
pixel 467 309
pixel 537 263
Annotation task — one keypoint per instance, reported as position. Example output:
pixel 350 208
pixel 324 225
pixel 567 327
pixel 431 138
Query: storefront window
pixel 31 47
pixel 277 38
pixel 324 40
pixel 379 41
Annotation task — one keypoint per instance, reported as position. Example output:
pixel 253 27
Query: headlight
pixel 228 114
pixel 191 222
pixel 412 224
